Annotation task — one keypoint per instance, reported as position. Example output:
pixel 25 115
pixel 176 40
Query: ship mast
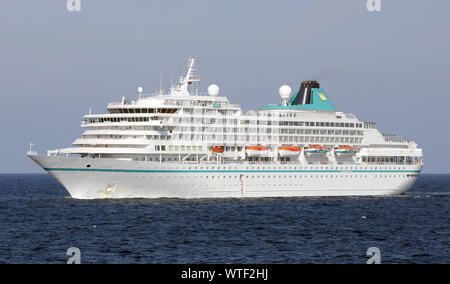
pixel 188 80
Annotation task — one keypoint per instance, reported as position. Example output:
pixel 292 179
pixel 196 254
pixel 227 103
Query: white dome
pixel 140 90
pixel 285 92
pixel 213 90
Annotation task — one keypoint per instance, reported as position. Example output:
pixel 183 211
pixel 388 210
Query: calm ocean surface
pixel 38 223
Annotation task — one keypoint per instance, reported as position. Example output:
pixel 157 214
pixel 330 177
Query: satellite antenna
pixel 285 93
pixel 213 90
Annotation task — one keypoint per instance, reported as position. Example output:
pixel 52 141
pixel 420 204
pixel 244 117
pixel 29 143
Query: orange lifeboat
pixel 217 149
pixel 288 150
pixel 257 151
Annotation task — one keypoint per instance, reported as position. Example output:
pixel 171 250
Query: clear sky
pixel 391 67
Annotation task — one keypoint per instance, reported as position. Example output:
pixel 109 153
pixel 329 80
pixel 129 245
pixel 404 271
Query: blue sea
pixel 39 223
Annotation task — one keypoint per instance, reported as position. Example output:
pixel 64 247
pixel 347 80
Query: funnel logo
pixel 322 97
pixel 374 5
pixel 73 5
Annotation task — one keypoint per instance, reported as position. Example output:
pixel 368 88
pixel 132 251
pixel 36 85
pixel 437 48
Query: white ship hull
pixel 109 178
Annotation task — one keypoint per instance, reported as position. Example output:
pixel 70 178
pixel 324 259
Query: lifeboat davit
pixel 345 149
pixel 315 149
pixel 288 151
pixel 218 149
pixel 257 151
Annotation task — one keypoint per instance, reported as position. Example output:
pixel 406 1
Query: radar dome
pixel 140 89
pixel 285 92
pixel 213 90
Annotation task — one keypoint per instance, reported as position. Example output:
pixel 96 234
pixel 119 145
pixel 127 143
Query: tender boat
pixel 217 149
pixel 345 150
pixel 315 149
pixel 257 151
pixel 288 151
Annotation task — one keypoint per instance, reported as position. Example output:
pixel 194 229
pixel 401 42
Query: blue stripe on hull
pixel 228 171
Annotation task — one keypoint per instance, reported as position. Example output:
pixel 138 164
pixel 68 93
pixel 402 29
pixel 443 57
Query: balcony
pixel 394 138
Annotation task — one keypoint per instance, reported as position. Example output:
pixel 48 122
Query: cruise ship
pixel 183 143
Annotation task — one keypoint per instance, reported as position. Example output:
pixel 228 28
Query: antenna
pixel 31 152
pixel 171 76
pixel 160 82
pixel 140 90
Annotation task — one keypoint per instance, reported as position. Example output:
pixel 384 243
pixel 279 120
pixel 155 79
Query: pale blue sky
pixel 391 67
